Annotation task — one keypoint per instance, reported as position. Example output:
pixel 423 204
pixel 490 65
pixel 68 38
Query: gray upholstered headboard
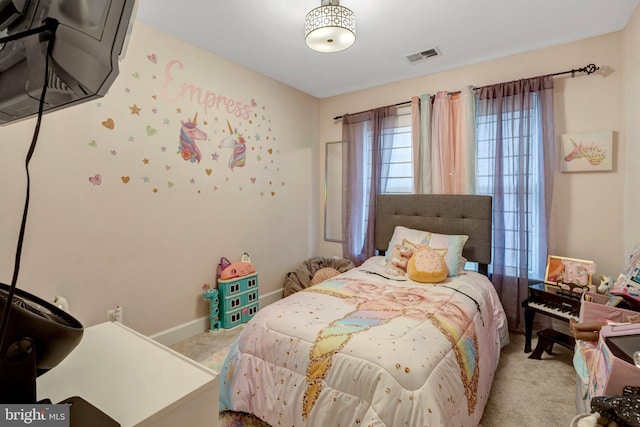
pixel 439 213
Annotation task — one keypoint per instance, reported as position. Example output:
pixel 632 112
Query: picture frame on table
pixel 561 270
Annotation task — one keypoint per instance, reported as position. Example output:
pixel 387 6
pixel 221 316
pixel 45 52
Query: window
pixel 400 163
pixel 519 166
pixel 398 160
pixel 513 173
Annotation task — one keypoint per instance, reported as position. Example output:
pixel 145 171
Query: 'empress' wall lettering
pixel 173 91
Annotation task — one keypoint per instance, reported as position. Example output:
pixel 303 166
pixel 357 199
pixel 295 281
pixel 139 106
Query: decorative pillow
pixel 428 265
pixel 400 234
pixel 453 243
pixel 323 274
pixel 397 263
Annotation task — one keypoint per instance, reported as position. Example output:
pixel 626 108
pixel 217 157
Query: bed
pixel 366 348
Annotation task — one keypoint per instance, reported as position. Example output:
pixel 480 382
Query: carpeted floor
pixel 525 392
pixel 528 392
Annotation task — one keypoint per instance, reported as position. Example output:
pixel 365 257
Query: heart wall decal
pixel 109 123
pixel 96 179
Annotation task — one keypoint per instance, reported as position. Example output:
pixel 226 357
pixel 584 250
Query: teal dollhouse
pixel 237 301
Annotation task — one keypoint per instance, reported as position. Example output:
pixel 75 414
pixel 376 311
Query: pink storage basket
pixel 607 373
pixel 596 310
pixel 611 374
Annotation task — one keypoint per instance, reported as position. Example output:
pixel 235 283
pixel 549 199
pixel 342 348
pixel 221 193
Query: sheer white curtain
pixel 515 165
pixel 367 141
pixel 446 149
pixel 421 123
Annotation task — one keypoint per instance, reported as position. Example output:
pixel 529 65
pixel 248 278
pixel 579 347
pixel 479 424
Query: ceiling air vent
pixel 416 57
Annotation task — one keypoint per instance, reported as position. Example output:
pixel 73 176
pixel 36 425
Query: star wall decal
pixel 135 109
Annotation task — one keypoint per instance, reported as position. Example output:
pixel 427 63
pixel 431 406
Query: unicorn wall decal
pixel 238 143
pixel 189 134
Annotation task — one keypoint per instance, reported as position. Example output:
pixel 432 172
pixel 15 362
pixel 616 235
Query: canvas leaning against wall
pixel 587 151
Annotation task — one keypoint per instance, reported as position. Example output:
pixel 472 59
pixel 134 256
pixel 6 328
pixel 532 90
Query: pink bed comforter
pixel 363 350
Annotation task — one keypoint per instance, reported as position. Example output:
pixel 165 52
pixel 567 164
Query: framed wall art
pixel 569 270
pixel 586 151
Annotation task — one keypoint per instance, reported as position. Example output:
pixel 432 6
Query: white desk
pixel 134 380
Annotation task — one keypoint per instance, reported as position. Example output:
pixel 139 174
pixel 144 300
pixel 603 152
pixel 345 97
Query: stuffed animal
pixel 605 284
pixel 399 258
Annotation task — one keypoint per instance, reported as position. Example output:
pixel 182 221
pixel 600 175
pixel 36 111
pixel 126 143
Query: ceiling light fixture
pixel 330 27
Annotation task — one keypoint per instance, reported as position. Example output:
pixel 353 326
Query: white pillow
pixel 453 243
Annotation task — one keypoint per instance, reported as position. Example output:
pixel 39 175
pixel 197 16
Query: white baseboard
pixel 270 297
pixel 186 330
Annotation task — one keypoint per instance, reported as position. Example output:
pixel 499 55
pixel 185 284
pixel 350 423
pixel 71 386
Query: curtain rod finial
pixel 591 68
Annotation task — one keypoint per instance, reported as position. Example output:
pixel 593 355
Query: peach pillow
pixel 427 265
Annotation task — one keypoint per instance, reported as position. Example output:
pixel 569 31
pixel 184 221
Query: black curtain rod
pixel 589 69
pixel 394 105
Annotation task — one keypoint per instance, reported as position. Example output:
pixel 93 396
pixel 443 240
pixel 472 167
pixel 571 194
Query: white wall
pixel 631 94
pixel 587 211
pixel 150 243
